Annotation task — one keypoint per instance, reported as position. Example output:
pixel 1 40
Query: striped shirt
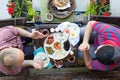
pixel 105 34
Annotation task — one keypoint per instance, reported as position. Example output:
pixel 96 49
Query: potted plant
pixel 97 7
pixel 21 8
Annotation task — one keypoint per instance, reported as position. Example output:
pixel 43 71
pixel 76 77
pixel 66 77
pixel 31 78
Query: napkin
pixel 64 25
pixel 41 51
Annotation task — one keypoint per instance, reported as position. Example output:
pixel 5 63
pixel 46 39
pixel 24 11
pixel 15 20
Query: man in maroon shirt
pixel 11 54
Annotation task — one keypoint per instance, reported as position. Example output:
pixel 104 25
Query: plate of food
pixel 42 57
pixel 61 4
pixel 57 46
pixel 61 8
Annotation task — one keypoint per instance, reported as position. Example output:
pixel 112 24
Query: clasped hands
pixel 84 47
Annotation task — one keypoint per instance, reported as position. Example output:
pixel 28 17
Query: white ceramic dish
pixel 55 50
pixel 42 57
pixel 49 17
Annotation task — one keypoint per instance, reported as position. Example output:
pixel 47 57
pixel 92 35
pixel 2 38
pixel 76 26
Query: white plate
pixel 49 17
pixel 42 57
pixel 59 52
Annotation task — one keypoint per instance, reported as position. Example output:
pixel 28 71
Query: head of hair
pixel 105 54
pixel 11 57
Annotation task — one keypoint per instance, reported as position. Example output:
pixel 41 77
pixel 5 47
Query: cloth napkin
pixel 41 51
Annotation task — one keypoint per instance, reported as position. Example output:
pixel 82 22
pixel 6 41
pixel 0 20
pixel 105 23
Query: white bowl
pixel 49 17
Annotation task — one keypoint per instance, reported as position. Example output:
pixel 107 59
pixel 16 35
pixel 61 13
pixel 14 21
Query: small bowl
pixel 45 32
pixel 71 58
pixel 58 63
pixel 49 17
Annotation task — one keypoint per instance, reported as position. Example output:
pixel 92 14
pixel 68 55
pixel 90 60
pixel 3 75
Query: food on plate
pixel 66 45
pixel 42 57
pixel 49 50
pixel 72 34
pixel 60 3
pixel 67 31
pixel 57 45
pixel 50 40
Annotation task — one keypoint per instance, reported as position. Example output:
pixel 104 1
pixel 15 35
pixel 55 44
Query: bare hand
pixel 38 64
pixel 36 35
pixel 84 46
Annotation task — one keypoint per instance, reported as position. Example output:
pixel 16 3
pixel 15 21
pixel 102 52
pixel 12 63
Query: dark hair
pixel 104 55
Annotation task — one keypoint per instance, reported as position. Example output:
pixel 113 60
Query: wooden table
pixel 40 43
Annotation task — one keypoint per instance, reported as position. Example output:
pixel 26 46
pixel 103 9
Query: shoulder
pixel 12 28
pixel 93 24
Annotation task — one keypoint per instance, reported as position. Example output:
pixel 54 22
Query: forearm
pixel 27 63
pixel 87 58
pixel 88 31
pixel 23 32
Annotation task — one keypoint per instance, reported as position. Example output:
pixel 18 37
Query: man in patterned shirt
pixel 106 44
pixel 11 54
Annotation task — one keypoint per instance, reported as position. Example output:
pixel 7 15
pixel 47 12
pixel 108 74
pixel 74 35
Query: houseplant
pixel 21 8
pixel 97 7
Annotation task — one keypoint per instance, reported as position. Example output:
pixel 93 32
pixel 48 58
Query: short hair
pixel 11 57
pixel 105 54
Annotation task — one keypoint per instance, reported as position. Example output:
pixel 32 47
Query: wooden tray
pixel 61 13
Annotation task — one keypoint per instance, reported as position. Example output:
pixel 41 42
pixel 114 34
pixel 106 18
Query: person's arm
pixel 87 59
pixel 33 35
pixel 84 47
pixel 32 63
pixel 88 30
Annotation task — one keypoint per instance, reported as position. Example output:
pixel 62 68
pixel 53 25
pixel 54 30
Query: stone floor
pixel 76 73
pixel 72 73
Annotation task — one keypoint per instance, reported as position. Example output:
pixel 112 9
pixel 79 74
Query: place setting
pixel 61 8
pixel 57 10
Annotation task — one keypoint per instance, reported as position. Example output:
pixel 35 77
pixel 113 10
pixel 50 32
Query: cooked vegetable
pixel 49 50
pixel 50 40
pixel 57 45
